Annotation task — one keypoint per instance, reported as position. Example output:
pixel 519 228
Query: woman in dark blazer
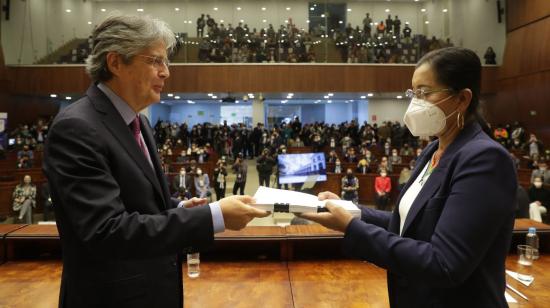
pixel 446 242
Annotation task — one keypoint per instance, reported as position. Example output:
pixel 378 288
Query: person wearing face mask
pixel 382 187
pixel 405 175
pixel 350 187
pixel 181 184
pixel 385 164
pixel 220 174
pixel 240 169
pixel 542 172
pixel 406 150
pixel 539 197
pixel 24 199
pixel 447 240
pixel 202 184
pixel 395 158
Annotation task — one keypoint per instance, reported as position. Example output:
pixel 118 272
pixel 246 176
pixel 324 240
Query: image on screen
pixel 296 168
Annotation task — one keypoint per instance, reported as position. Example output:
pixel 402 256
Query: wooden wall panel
pixel 527 50
pixel 240 78
pixel 522 12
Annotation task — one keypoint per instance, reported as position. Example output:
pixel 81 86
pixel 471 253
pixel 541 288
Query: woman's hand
pixel 336 219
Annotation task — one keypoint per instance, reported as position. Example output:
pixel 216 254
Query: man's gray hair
pixel 126 35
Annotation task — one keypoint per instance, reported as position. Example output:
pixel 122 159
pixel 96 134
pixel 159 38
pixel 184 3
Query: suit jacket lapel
pixel 115 124
pixel 147 133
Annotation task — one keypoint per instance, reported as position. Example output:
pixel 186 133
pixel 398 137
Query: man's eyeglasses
pixel 422 93
pixel 156 61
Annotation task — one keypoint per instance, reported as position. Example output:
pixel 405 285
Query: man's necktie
pixel 137 136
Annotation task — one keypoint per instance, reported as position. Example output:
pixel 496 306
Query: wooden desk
pixel 331 283
pixel 4 230
pixel 32 241
pixel 522 225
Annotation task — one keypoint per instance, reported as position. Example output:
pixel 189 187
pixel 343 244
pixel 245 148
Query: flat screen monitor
pixel 303 167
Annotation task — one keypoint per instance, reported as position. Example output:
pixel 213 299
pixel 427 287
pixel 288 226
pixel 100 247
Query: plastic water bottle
pixel 532 240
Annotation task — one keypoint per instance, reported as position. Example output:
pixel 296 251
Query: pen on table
pixel 517 292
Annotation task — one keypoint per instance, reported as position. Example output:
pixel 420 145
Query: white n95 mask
pixel 424 118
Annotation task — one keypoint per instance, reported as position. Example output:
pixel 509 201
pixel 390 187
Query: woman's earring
pixel 460 121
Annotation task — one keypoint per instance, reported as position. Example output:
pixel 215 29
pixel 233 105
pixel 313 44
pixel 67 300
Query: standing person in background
pixel 446 243
pixel 240 169
pixel 264 166
pixel 121 232
pixel 220 182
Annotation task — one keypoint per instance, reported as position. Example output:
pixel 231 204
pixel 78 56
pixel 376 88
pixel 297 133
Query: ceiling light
pixel 239 8
pixel 53 95
pixel 427 22
pixel 89 22
pixel 214 97
pixel 331 94
pixel 370 95
pixel 176 97
pixel 399 97
pixel 349 10
pixel 288 9
pixel 210 94
pixel 140 10
pixel 445 10
pixel 215 9
pixel 176 9
pixel 170 94
pixel 423 10
pixel 103 10
pixel 363 97
pixel 263 9
pixel 387 10
pixel 68 97
pixel 264 21
pixel 68 10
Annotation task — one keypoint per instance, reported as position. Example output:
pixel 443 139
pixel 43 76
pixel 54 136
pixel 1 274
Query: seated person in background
pixel 534 162
pixel 296 142
pixel 47 200
pixel 405 175
pixel 371 159
pixel 332 143
pixel 202 184
pixel 201 156
pixel 540 200
pixel 351 156
pixel 337 166
pixel 183 158
pixel 522 203
pixel 542 172
pixel 406 150
pixel 382 186
pixel 192 170
pixel 24 199
pixel 385 165
pixel 332 157
pixel 350 187
pixel 25 151
pixel 417 153
pixel 395 158
pixel 220 174
pixel 24 162
pixel 363 166
pixel 182 184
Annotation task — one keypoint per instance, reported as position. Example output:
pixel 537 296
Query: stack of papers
pixel 279 200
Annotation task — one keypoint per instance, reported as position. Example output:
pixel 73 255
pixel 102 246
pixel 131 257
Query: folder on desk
pixel 287 201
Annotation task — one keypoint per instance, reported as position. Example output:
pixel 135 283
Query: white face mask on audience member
pixel 424 118
pixel 538 184
pixel 199 172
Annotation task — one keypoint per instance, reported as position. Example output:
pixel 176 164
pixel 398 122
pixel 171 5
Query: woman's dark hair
pixel 459 68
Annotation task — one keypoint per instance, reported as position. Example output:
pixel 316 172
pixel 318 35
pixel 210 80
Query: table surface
pixel 332 283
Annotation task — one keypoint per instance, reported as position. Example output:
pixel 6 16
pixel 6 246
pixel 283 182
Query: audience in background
pixel 202 184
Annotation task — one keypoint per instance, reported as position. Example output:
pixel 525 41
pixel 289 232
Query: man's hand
pixel 336 219
pixel 237 212
pixel 194 202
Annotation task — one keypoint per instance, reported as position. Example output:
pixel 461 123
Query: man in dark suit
pixel 121 233
pixel 182 182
